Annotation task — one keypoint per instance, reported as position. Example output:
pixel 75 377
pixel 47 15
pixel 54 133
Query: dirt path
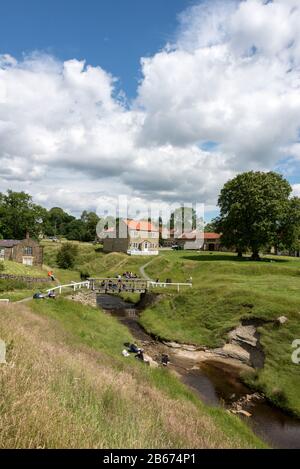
pixel 24 300
pixel 143 273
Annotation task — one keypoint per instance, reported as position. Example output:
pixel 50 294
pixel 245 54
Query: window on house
pixel 28 251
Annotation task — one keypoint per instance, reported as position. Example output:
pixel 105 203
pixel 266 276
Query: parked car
pixel 176 247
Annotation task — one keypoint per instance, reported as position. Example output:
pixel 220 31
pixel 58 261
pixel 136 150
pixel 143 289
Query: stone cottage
pixel 26 251
pixel 211 241
pixel 138 238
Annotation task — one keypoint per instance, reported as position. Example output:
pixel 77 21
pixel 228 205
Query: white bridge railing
pixel 73 285
pixel 168 284
pixel 88 284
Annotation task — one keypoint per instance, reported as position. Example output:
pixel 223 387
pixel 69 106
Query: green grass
pixel 226 290
pixel 223 288
pixel 86 324
pixel 16 295
pixel 93 261
pixel 14 268
pixel 103 333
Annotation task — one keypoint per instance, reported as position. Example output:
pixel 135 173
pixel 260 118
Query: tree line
pixel 257 212
pixel 19 214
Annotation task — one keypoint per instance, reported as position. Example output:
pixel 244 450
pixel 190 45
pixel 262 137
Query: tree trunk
pixel 240 253
pixel 255 255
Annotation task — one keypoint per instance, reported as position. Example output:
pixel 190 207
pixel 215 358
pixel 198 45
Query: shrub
pixel 66 256
pixel 1 267
pixel 279 396
pixel 84 274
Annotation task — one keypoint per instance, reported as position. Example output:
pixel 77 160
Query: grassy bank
pixel 14 268
pixel 226 290
pixel 91 260
pixel 66 384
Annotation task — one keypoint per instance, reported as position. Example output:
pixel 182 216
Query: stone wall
pixel 24 278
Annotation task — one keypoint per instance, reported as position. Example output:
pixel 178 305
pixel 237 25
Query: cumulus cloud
pixel 225 97
pixel 233 78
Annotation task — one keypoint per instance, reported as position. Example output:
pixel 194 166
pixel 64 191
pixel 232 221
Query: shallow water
pixel 216 383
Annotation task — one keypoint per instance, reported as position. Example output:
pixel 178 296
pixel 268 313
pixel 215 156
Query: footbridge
pixel 119 285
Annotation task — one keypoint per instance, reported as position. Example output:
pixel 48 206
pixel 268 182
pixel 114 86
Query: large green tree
pixel 18 214
pixel 90 220
pixel 256 211
pixel 66 256
pixel 58 221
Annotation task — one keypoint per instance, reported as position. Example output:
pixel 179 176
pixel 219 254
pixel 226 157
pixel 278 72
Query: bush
pixel 1 267
pixel 66 256
pixel 84 274
pixel 279 397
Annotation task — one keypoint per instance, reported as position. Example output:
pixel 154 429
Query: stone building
pixel 26 251
pixel 211 241
pixel 135 238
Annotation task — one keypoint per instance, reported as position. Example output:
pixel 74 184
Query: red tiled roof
pixel 212 236
pixel 140 225
pixel 206 236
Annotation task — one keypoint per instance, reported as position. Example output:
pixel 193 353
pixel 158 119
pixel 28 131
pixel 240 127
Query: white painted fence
pixel 73 285
pixel 88 283
pixel 5 301
pixel 167 285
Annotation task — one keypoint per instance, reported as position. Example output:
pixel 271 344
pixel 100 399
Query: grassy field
pixel 14 268
pixel 91 260
pixel 16 295
pixel 226 290
pixel 66 384
pixel 18 289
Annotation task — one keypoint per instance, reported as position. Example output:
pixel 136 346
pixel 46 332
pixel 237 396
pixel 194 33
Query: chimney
pixel 27 234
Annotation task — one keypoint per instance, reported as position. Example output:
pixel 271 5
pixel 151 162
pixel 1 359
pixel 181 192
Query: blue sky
pixel 225 98
pixel 112 33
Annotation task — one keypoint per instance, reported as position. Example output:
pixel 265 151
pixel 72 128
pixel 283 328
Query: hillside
pixel 225 291
pixel 14 268
pixel 17 289
pixel 67 385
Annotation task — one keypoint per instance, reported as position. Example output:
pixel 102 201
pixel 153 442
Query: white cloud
pixel 231 77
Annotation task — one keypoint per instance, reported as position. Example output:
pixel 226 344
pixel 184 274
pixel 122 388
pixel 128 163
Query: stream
pixel 217 383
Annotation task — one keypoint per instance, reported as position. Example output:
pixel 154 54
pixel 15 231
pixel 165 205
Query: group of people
pixel 127 275
pixel 112 285
pixel 40 296
pixel 139 353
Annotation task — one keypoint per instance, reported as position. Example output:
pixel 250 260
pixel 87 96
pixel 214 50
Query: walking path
pixel 24 300
pixel 143 273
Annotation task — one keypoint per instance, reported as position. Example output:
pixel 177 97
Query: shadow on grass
pixel 232 258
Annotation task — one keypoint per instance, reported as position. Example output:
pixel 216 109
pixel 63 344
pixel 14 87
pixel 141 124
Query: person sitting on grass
pixel 51 275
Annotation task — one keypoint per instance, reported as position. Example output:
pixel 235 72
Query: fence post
pixel 60 290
